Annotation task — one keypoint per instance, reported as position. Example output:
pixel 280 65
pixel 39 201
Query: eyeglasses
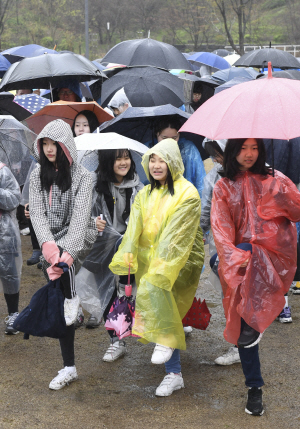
pixel 69 92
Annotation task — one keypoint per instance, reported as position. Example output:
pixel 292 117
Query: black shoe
pixel 249 337
pixel 254 404
pixel 35 257
pixel 39 265
pixel 9 320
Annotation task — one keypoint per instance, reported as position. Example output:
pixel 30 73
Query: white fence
pixel 292 49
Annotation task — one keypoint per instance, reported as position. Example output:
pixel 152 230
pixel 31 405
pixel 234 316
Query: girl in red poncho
pixel 251 218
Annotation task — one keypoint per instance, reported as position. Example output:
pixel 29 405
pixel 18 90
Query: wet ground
pixel 121 395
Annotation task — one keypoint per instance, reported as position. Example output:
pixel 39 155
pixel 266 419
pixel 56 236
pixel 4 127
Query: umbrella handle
pixel 128 287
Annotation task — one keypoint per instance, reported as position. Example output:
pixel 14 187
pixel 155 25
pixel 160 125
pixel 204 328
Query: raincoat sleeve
pixel 175 244
pixel 208 186
pixel 194 170
pixel 10 195
pixel 280 197
pixel 223 228
pixel 74 241
pixel 37 209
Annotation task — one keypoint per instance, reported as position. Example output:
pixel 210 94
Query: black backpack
pixel 44 316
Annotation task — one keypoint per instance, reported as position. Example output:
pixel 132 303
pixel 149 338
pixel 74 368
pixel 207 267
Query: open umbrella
pixel 145 87
pixel 8 106
pixel 225 75
pixel 209 59
pixel 222 52
pixel 4 65
pixel 16 142
pixel 102 141
pixel 19 52
pixel 66 111
pixel 137 123
pixel 286 74
pixel 147 52
pixel 263 108
pixel 31 102
pixel 231 59
pixel 231 83
pixel 260 58
pixel 46 71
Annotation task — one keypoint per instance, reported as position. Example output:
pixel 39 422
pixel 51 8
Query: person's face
pixel 66 94
pixel 23 91
pixel 196 96
pixel 158 169
pixel 248 154
pixel 50 149
pixel 81 125
pixel 168 133
pixel 122 166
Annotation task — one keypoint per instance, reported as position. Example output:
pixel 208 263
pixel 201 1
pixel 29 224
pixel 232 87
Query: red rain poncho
pixel 255 209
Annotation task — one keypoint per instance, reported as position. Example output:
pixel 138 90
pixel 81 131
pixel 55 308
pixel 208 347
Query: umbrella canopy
pixel 187 76
pixel 209 59
pixel 232 72
pixel 31 102
pixel 222 52
pixel 99 141
pixel 19 52
pixel 46 71
pixel 231 83
pixel 138 122
pixel 66 111
pixel 145 87
pixel 147 52
pixel 263 108
pixel 16 142
pixel 4 65
pixel 286 74
pixel 231 59
pixel 260 58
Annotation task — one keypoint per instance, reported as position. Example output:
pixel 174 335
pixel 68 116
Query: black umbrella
pixel 46 71
pixel 222 52
pixel 222 76
pixel 145 87
pixel 138 123
pixel 286 74
pixel 260 58
pixel 147 52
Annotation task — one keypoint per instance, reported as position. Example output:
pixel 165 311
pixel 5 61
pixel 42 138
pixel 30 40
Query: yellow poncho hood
pixel 167 150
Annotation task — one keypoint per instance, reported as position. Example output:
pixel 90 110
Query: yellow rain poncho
pixel 165 239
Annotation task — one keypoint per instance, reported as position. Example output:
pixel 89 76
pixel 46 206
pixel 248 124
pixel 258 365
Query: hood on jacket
pixel 119 99
pixel 72 84
pixel 167 150
pixel 60 132
pixel 221 143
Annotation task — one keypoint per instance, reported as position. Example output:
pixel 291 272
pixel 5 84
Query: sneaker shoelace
pixel 9 320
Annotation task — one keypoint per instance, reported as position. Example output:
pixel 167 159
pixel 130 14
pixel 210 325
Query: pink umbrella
pixel 264 108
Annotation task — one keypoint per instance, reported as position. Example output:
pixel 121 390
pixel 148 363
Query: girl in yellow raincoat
pixel 163 245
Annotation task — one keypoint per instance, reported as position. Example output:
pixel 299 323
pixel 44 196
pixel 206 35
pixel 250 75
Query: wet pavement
pixel 122 394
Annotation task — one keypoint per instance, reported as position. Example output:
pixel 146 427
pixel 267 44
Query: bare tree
pixel 241 9
pixel 5 5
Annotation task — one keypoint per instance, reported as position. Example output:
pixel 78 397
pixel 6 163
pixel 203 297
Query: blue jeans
pixel 251 364
pixel 173 365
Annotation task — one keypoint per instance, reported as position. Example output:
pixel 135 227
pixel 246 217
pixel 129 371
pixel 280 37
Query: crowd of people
pixel 90 210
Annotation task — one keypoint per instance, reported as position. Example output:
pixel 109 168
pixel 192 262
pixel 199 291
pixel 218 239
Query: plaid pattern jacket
pixel 68 220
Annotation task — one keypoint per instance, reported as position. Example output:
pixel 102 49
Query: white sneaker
pixel 161 354
pixel 187 330
pixel 65 376
pixel 230 357
pixel 71 307
pixel 114 351
pixel 25 231
pixel 170 383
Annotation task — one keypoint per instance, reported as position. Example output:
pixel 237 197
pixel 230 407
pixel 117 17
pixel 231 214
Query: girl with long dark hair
pixel 252 221
pixel 60 198
pixel 116 186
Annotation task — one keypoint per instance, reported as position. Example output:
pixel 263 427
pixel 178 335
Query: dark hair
pixel 156 183
pixel 213 149
pixel 92 120
pixel 105 171
pixel 166 122
pixel 231 167
pixel 62 177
